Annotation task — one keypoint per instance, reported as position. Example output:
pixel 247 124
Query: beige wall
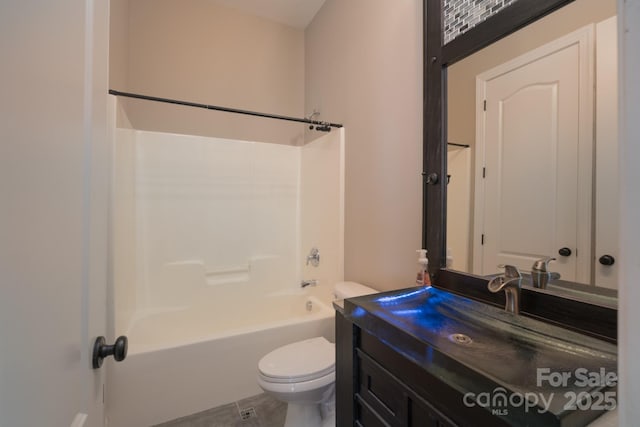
pixel 198 51
pixel 364 69
pixel 361 64
pixel 118 44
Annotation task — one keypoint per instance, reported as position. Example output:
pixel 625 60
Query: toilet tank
pixel 344 290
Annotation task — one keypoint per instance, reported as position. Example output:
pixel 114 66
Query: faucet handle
pixel 314 257
pixel 542 264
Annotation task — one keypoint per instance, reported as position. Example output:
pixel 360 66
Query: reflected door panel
pixel 607 200
pixel 530 139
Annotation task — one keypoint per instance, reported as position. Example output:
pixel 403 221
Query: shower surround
pixel 210 238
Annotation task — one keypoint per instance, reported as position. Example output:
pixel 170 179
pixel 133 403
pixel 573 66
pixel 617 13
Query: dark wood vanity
pixel 398 398
pixel 398 364
pixel 376 387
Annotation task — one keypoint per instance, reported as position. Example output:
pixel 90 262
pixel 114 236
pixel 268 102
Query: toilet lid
pixel 300 361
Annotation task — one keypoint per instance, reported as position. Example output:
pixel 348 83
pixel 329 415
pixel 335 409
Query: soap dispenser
pixel 423 278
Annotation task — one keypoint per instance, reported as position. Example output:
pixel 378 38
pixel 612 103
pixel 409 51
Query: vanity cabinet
pixel 381 399
pixel 376 386
pixel 425 357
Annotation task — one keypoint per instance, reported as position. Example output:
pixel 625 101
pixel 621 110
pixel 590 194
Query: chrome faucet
pixel 305 283
pixel 510 283
pixel 540 274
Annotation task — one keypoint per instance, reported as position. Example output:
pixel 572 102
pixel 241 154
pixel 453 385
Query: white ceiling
pixel 295 13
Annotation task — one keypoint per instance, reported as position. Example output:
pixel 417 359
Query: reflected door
pixel 607 201
pixel 534 153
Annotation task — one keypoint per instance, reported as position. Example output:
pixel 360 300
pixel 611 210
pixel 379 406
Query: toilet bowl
pixel 302 373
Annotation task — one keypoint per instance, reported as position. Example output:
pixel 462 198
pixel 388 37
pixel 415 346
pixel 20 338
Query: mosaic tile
pixel 462 15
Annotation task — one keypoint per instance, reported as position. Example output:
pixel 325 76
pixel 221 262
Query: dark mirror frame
pixel 437 57
pixel 587 317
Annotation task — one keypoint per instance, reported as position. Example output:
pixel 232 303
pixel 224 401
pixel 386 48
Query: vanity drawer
pixel 367 417
pixel 380 390
pixel 383 400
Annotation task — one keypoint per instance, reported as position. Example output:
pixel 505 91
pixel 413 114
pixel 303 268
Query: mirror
pixel 531 126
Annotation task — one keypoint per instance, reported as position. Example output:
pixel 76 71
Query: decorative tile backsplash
pixel 462 15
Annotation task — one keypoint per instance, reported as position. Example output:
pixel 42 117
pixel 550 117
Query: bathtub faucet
pixel 306 283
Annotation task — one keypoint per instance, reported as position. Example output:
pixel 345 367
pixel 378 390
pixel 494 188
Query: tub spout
pixel 305 283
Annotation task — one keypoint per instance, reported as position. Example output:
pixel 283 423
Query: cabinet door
pixel 421 414
pixel 380 391
pixel 384 400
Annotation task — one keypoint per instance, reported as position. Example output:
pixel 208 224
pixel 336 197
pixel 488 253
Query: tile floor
pixel 267 412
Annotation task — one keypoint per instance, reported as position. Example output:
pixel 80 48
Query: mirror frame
pixel 588 317
pixel 437 57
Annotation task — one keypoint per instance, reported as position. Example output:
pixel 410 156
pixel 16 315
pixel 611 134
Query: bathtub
pixel 185 360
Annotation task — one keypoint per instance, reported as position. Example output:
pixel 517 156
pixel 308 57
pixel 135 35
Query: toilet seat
pixel 299 362
pixel 299 388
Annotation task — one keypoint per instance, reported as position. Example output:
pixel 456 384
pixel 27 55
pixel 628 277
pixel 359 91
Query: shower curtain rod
pixel 455 144
pixel 321 126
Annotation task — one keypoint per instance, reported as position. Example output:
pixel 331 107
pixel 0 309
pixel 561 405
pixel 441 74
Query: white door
pixel 607 200
pixel 534 160
pixel 53 210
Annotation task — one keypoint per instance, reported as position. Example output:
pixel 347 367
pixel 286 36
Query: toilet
pixel 303 375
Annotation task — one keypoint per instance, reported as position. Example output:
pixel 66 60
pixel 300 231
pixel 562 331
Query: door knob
pixel 101 350
pixel 565 252
pixel 607 260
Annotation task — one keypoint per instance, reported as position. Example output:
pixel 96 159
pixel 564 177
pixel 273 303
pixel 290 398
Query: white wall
pixel 629 291
pixel 364 69
pixel 52 208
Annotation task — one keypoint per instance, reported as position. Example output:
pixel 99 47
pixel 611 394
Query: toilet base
pixel 328 411
pixel 310 415
pixel 307 415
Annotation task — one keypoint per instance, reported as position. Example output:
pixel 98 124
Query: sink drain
pixel 460 339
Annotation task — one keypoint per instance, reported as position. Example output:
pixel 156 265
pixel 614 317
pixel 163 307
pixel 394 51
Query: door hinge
pixel 484 105
pixel 484 172
pixel 482 240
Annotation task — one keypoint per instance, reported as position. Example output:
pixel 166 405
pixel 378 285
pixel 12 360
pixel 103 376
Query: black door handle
pixel 607 260
pixel 101 350
pixel 565 252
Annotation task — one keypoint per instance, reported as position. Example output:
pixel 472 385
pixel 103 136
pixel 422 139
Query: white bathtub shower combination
pixel 210 238
pixel 159 382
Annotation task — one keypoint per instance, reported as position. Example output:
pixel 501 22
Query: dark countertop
pixel 485 352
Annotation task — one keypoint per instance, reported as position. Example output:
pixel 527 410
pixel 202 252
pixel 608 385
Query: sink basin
pixel 479 348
